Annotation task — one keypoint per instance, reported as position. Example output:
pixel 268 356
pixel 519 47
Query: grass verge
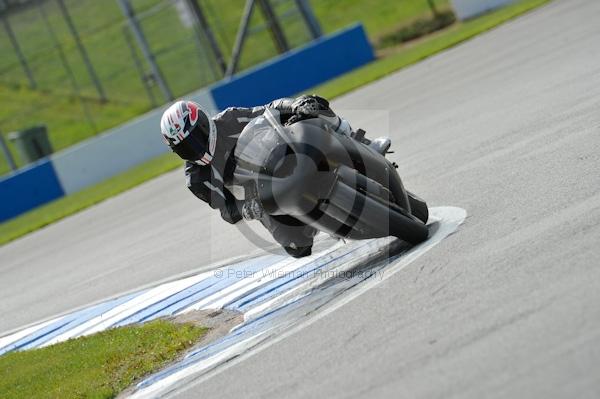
pixel 98 366
pixel 418 28
pixel 402 57
pixel 426 47
pixel 65 206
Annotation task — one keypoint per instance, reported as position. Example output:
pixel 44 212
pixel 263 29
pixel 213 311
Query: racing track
pixel 506 126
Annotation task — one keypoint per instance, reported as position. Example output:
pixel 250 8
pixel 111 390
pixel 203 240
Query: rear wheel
pixel 370 217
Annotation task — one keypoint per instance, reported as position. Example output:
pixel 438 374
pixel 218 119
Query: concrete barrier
pixel 136 141
pixel 466 9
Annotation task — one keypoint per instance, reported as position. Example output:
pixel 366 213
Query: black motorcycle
pixel 334 183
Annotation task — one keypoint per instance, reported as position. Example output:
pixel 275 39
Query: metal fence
pixel 91 53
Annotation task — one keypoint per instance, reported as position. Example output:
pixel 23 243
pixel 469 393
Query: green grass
pixel 417 29
pixel 96 366
pixel 65 206
pixel 403 56
pixel 378 16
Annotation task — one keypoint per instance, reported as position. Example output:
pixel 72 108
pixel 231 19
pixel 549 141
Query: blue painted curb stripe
pixel 210 286
pixel 197 292
pixel 165 307
pixel 65 324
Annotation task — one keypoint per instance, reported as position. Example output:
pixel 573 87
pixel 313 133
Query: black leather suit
pixel 206 182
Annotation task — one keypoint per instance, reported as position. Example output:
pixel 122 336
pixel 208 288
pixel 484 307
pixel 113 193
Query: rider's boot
pixel 381 145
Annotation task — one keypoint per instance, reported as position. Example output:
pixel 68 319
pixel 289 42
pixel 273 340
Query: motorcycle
pixel 332 182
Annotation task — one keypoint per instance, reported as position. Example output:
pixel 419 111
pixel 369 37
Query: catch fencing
pixel 90 52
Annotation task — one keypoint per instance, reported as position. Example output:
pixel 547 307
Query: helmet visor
pixel 192 148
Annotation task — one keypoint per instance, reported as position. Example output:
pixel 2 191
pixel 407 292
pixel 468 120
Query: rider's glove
pixel 306 106
pixel 252 210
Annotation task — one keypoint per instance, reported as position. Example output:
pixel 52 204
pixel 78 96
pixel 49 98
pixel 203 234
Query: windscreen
pixel 256 143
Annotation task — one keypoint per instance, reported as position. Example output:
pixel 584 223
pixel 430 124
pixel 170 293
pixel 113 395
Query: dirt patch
pixel 219 322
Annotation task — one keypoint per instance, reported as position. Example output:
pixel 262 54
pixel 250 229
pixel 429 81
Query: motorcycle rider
pixel 207 144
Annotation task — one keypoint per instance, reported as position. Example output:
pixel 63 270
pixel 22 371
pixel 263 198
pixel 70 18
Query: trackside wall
pixel 297 70
pixel 28 188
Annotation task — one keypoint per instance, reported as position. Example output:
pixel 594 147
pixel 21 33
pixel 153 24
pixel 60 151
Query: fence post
pixel 241 36
pixel 276 31
pixel 82 50
pixel 309 17
pixel 139 66
pixel 141 39
pixel 433 8
pixel 9 158
pixel 208 33
pixel 68 70
pixel 15 43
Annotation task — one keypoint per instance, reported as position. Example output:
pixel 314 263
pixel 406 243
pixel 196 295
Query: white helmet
pixel 189 131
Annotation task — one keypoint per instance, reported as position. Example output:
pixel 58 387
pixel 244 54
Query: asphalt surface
pixel 506 126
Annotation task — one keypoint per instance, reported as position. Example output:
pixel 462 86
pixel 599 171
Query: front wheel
pixel 418 207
